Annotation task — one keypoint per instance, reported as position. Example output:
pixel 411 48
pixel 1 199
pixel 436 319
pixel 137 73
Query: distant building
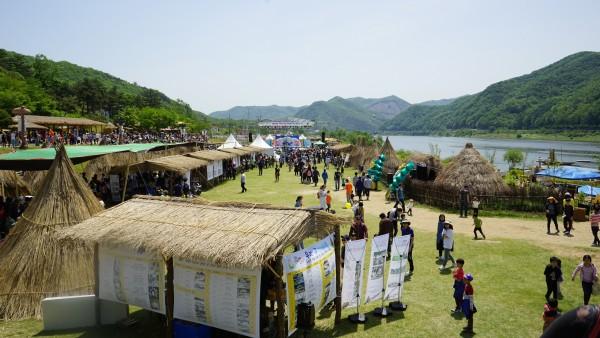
pixel 287 124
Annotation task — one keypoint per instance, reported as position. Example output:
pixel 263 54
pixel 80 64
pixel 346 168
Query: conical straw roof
pixel 391 163
pixel 473 170
pixel 12 184
pixel 33 264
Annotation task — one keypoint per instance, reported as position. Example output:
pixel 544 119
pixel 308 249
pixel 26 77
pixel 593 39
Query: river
pixel 533 149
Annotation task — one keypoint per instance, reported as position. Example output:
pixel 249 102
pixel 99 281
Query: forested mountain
pixel 61 88
pixel 384 108
pixel 440 102
pixel 563 95
pixel 256 112
pixel 340 113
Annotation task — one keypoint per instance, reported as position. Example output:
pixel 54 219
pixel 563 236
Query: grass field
pixel 509 281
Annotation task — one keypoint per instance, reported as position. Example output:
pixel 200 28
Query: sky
pixel 219 54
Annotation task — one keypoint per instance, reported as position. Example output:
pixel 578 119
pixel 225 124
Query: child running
pixel 459 284
pixel 328 201
pixel 477 226
pixel 553 275
pixel 468 304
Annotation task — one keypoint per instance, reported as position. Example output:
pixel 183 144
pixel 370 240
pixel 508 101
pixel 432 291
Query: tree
pixel 513 157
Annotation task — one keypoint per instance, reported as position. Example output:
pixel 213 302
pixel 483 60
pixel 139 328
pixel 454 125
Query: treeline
pixel 63 89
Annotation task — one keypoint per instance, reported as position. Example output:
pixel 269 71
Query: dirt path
pixel 495 228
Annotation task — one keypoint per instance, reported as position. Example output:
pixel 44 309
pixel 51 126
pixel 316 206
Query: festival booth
pixel 264 147
pixel 230 142
pixel 218 161
pixel 287 142
pixel 269 139
pixel 304 141
pixel 214 264
pixel 571 173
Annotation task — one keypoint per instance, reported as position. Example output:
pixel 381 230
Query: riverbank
pixel 572 135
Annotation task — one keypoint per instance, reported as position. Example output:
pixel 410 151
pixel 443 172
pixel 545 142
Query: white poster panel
pixel 219 166
pixel 397 268
pixel 354 262
pixel 310 277
pixel 209 171
pixel 130 277
pixel 376 270
pixel 228 299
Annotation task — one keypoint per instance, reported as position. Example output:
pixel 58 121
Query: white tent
pixel 269 139
pixel 231 142
pixel 302 137
pixel 260 143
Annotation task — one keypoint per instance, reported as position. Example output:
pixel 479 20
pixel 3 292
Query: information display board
pixel 131 277
pixel 227 299
pixel 310 277
pixel 397 268
pixel 354 263
pixel 376 273
pixel 210 171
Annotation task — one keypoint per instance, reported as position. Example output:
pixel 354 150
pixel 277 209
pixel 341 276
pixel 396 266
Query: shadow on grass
pixel 346 327
pixel 148 324
pixel 467 334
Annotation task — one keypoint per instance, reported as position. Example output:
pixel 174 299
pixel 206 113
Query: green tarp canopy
pixel 40 159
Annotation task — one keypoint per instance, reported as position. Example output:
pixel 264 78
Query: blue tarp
pixel 588 190
pixel 571 173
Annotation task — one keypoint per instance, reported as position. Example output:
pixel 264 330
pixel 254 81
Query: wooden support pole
pixel 281 325
pixel 125 183
pixel 97 283
pixel 170 301
pixel 338 274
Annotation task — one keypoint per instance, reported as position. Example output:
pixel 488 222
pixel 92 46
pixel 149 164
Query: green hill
pixel 256 112
pixel 339 113
pixel 61 88
pixel 564 95
pixel 384 108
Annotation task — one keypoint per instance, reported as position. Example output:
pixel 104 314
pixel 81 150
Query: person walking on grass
pixel 588 274
pixel 407 230
pixel 322 196
pixel 551 212
pixel 368 183
pixel 553 274
pixel 325 177
pixel 243 182
pixel 359 187
pixel 595 223
pixel 328 201
pixel 477 226
pixel 387 226
pixel 400 197
pixel 358 229
pixel 277 173
pixel 568 213
pixel 337 179
pixel 349 188
pixel 464 197
pixel 468 303
pixel 315 176
pixel 448 244
pixel 439 238
pixel 459 284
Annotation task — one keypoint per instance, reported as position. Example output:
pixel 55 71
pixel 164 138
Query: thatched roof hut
pixel 391 163
pixel 230 234
pixel 33 265
pixel 363 155
pixel 12 184
pixel 176 163
pixel 342 147
pixel 471 169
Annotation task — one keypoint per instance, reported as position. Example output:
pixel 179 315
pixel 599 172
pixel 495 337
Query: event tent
pixel 261 144
pixel 231 142
pixel 588 190
pixel 269 139
pixel 571 173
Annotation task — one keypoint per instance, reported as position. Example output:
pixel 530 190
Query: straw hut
pixel 427 166
pixel 33 265
pixel 391 163
pixel 12 184
pixel 471 169
pixel 34 179
pixel 363 155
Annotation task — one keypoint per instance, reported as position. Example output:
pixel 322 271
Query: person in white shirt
pixel 448 244
pixel 475 205
pixel 243 182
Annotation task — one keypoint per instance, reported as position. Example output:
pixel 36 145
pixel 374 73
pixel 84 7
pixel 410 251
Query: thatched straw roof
pixel 176 163
pixel 471 169
pixel 251 149
pixel 33 265
pixel 227 234
pixel 363 155
pixel 342 147
pixel 235 151
pixel 211 155
pixel 59 121
pixel 12 184
pixel 391 163
pixel 34 179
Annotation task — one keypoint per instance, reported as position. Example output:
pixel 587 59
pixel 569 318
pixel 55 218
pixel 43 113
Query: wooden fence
pixel 426 193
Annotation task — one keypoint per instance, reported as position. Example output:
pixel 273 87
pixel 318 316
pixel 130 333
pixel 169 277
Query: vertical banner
pixel 225 298
pixel 219 164
pixel 376 271
pixel 310 277
pixel 395 281
pixel 210 171
pixel 354 262
pixel 131 277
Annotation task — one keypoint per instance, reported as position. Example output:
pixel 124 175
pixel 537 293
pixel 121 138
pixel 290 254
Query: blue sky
pixel 219 54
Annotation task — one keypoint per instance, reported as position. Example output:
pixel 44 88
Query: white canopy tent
pixel 269 139
pixel 260 143
pixel 231 142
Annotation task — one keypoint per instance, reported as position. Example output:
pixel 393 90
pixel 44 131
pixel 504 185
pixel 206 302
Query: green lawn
pixel 509 283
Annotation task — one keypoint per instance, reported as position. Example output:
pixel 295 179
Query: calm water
pixel 534 149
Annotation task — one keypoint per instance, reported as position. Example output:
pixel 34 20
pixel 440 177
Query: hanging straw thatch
pixel 342 147
pixel 471 169
pixel 391 163
pixel 177 163
pixel 34 179
pixel 229 234
pixel 33 265
pixel 12 184
pixel 363 155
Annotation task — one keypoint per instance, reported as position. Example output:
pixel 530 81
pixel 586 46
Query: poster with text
pixel 354 262
pixel 397 268
pixel 134 278
pixel 376 269
pixel 219 166
pixel 228 299
pixel 210 171
pixel 310 277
